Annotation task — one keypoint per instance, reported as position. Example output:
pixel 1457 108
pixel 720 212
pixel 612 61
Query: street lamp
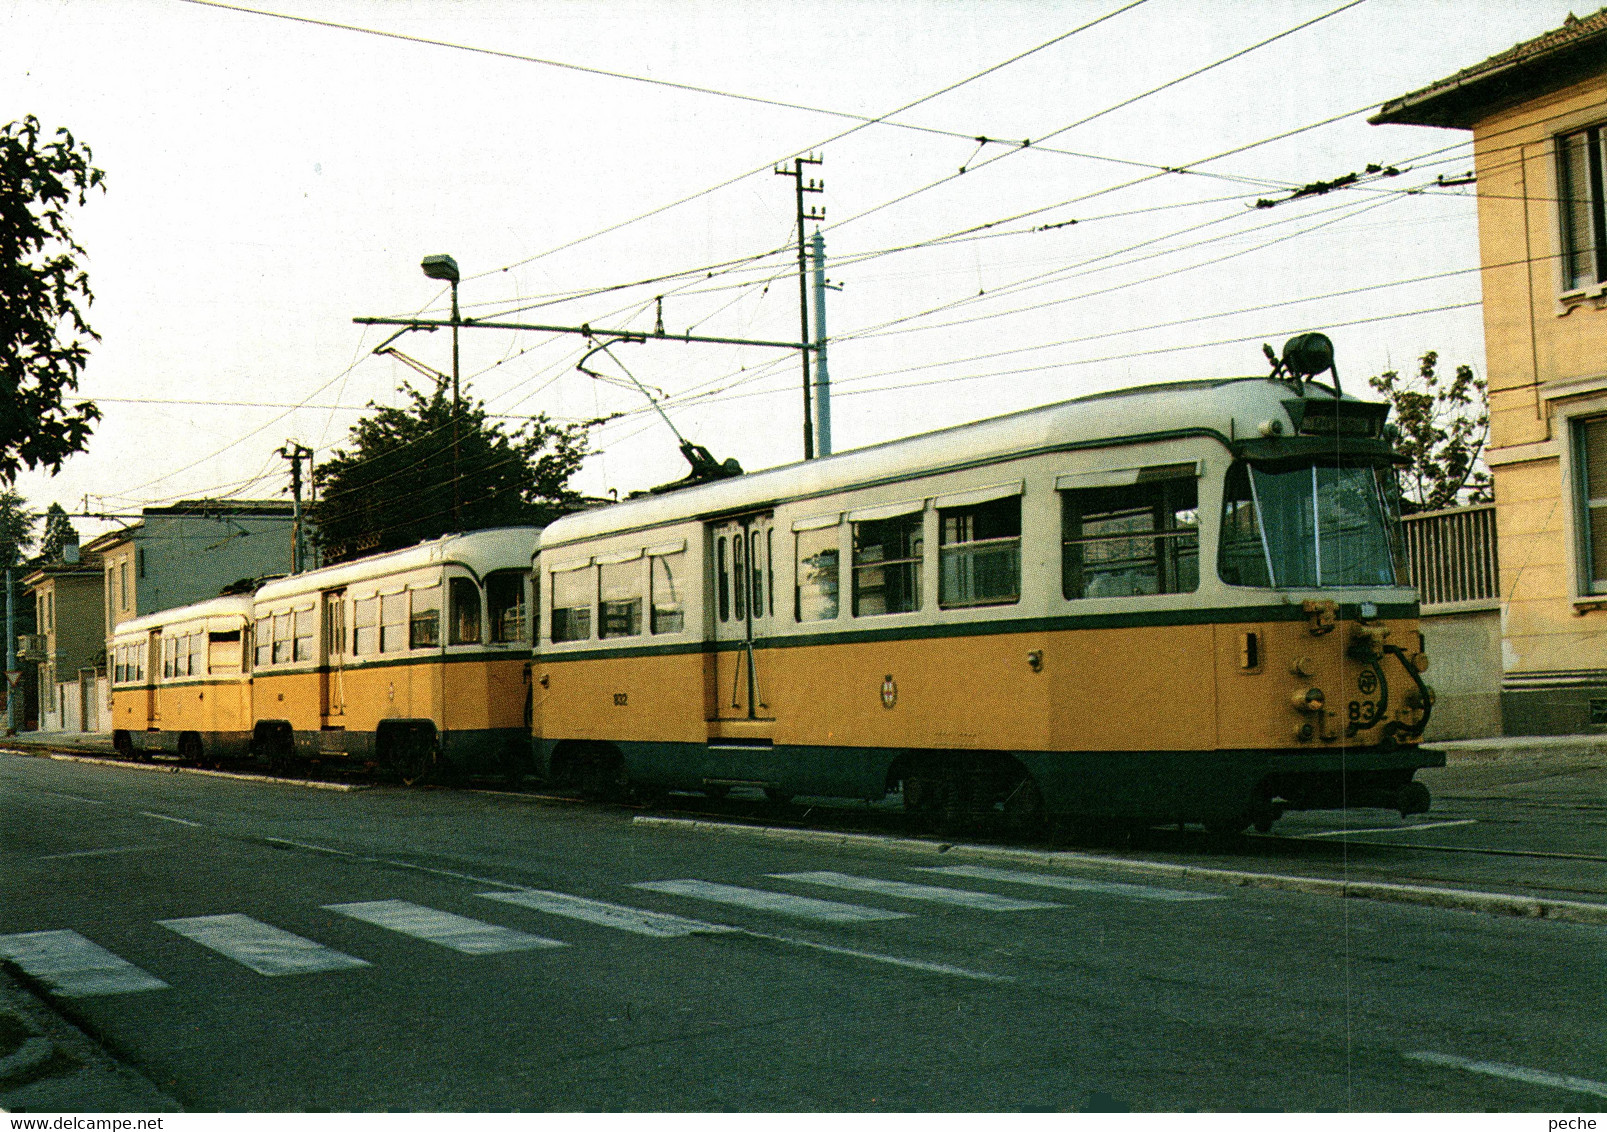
pixel 445 267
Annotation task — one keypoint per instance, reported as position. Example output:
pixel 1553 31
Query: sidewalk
pixel 1471 749
pixel 98 741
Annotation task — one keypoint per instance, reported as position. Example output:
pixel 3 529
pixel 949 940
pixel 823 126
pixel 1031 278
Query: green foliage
pixel 44 340
pixel 58 533
pixel 393 486
pixel 16 528
pixel 1441 426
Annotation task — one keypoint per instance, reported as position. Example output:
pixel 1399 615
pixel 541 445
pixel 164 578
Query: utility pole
pixel 444 267
pixel 822 375
pixel 296 452
pixel 13 676
pixel 817 214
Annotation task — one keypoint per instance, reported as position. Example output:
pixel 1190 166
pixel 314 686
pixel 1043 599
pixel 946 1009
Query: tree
pixel 393 485
pixel 1441 427
pixel 16 530
pixel 58 533
pixel 44 340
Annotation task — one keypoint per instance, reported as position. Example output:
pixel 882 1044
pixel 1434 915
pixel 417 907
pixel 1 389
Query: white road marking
pixel 782 903
pixel 985 901
pixel 92 852
pixel 170 817
pixel 1513 1073
pixel 74 797
pixel 1391 828
pixel 72 965
pixel 637 920
pixel 267 950
pixel 893 960
pixel 470 937
pixel 1072 884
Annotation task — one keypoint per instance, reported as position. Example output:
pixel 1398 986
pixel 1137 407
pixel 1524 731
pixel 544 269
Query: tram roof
pixel 233 605
pixel 1231 407
pixel 480 551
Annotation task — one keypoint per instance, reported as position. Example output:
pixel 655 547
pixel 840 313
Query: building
pixel 71 643
pixel 1538 115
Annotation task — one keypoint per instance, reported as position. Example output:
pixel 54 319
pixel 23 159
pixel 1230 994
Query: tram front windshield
pixel 1309 525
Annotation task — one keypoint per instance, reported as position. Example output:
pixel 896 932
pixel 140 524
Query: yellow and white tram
pixel 180 684
pixel 1179 602
pixel 412 659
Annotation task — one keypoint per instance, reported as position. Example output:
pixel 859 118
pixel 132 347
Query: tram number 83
pixel 1360 709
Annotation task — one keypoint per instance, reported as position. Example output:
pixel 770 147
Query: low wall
pixel 1463 642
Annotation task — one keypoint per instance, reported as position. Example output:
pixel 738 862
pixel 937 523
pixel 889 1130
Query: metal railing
pixel 1451 554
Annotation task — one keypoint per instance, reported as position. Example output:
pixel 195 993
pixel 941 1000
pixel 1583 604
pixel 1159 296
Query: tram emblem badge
pixel 889 692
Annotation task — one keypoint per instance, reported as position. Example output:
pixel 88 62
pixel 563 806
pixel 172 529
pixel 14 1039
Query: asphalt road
pixel 267 947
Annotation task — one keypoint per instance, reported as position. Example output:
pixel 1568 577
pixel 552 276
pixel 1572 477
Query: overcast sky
pixel 269 179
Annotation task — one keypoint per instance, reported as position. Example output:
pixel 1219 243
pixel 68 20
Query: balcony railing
pixel 1452 554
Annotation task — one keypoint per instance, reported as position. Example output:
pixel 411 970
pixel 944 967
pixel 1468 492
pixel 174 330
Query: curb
pixel 1465 900
pixel 93 760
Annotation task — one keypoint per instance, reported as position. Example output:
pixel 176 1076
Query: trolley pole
pixel 814 213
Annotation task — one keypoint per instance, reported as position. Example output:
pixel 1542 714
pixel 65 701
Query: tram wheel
pixel 1024 812
pixel 413 760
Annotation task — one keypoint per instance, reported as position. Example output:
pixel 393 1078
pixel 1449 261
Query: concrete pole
pixel 11 652
pixel 822 378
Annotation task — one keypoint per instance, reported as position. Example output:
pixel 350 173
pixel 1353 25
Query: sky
pixel 269 179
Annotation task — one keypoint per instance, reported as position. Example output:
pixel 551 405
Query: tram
pixel 180 682
pixel 1179 602
pixel 417 660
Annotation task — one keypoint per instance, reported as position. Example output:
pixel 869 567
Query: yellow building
pixel 1538 114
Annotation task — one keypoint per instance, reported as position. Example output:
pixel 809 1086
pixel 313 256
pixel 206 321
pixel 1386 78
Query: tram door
pixel 153 670
pixel 332 672
pixel 744 606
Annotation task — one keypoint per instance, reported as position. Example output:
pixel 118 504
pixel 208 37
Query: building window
pixel 1590 454
pixel 1584 226
pixel 669 598
pixel 1131 540
pixel 122 584
pixel 505 606
pixel 887 565
pixel 979 554
pixel 425 631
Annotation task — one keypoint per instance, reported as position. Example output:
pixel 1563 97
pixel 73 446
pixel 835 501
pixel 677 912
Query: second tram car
pixel 1180 602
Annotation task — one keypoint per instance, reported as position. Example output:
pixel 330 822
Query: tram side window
pixel 223 651
pixel 365 626
pixel 264 641
pixel 393 622
pixel 668 578
pixel 139 662
pixel 424 628
pixel 196 644
pixel 815 596
pixel 304 624
pixel 572 594
pixel 979 554
pixel 505 606
pixel 887 565
pixel 723 572
pixel 620 612
pixel 1242 556
pixel 283 638
pixel 1132 540
pixel 120 664
pixel 465 597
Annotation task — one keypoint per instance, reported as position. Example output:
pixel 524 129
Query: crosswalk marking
pixel 267 950
pixel 985 901
pixel 461 934
pixel 636 920
pixel 1072 884
pixel 71 965
pixel 782 903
